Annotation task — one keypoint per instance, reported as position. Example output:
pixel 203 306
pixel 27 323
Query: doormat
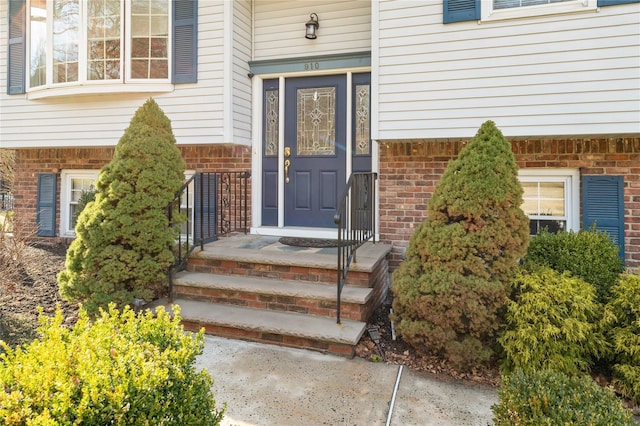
pixel 308 242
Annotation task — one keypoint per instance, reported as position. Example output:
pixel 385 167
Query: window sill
pixel 580 6
pixel 99 89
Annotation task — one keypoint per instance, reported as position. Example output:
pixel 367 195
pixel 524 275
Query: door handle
pixel 287 163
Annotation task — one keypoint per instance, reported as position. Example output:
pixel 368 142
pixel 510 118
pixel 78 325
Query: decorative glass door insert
pixel 316 114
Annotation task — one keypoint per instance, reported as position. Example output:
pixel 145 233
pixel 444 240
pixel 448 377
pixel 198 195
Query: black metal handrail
pixel 215 204
pixel 356 223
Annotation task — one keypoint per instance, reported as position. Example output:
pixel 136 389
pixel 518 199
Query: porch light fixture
pixel 312 26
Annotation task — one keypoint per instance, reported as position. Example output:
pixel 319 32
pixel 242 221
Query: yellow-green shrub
pixel 624 334
pixel 122 369
pixel 552 322
pixel 551 398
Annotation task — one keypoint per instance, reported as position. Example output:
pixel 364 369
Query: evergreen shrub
pixel 588 254
pixel 552 323
pixel 547 397
pixel 449 291
pixel 123 245
pixel 624 334
pixel 123 369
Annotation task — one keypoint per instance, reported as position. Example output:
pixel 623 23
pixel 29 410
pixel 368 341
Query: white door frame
pixel 256 153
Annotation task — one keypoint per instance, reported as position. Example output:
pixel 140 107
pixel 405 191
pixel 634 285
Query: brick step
pixel 265 257
pixel 273 327
pixel 274 294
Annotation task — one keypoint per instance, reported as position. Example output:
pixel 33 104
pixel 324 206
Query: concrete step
pixel 273 294
pixel 281 328
pixel 260 256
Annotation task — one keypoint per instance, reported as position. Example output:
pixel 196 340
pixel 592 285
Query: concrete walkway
pixel 271 385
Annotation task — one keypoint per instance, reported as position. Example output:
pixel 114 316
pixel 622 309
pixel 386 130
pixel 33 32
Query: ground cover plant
pixel 122 369
pixel 122 249
pixel 449 291
pixel 547 397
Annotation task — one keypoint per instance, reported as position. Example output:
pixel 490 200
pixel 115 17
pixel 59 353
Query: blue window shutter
pixel 185 41
pixel 603 203
pixel 602 3
pixel 205 217
pixel 16 58
pixel 46 204
pixel 460 10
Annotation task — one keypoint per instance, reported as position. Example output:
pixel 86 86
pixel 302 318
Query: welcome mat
pixel 308 242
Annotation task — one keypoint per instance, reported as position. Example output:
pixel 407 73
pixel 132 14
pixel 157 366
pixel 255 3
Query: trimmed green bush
pixel 449 292
pixel 552 323
pixel 625 335
pixel 123 239
pixel 123 369
pixel 588 254
pixel 551 398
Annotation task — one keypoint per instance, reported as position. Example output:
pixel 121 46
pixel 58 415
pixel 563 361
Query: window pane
pixel 66 34
pixel 103 44
pixel 552 199
pixel 363 138
pixel 38 48
pixel 272 121
pixel 159 69
pixel 508 4
pixel 150 39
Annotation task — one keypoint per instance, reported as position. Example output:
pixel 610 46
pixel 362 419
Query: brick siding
pixel 410 170
pixel 31 162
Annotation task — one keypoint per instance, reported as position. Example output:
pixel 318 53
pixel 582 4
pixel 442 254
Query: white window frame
pixel 124 84
pixel 65 196
pixel 487 13
pixel 571 180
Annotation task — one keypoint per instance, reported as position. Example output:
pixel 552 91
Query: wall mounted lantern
pixel 312 26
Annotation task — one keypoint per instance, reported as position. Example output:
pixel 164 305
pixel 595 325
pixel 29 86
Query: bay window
pixel 85 41
pixel 88 44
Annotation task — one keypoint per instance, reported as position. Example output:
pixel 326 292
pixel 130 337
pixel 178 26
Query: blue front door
pixel 309 169
pixel 315 149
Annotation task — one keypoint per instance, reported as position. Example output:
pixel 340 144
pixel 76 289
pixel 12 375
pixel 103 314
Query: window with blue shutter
pixel 602 3
pixel 461 10
pixel 185 41
pixel 17 47
pixel 46 204
pixel 603 204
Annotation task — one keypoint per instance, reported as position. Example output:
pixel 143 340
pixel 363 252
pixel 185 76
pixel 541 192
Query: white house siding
pixel 345 26
pixel 195 110
pixel 572 74
pixel 241 55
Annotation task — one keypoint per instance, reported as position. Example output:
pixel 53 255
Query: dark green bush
pixel 460 261
pixel 624 334
pixel 124 239
pixel 551 398
pixel 588 254
pixel 124 369
pixel 552 323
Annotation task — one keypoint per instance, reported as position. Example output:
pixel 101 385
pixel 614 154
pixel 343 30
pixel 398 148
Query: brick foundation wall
pixel 31 162
pixel 410 171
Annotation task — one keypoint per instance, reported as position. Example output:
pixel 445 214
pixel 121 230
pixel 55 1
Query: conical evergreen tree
pixel 123 239
pixel 459 263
